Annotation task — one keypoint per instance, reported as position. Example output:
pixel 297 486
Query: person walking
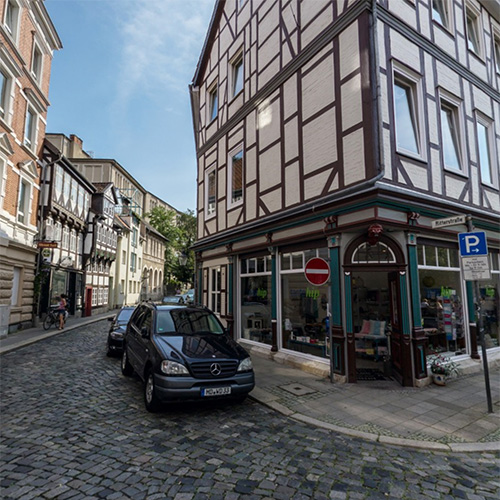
pixel 61 310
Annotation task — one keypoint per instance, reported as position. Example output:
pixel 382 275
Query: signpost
pixel 317 271
pixel 474 256
pixel 449 221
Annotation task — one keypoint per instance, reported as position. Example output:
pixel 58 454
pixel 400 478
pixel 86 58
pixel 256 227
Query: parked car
pixel 117 329
pixel 173 299
pixel 184 353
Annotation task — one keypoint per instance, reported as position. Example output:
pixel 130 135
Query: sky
pixel 120 83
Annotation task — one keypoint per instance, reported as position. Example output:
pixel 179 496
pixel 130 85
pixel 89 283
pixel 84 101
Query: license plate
pixel 216 391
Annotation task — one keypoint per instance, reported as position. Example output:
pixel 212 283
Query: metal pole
pixel 330 339
pixel 479 319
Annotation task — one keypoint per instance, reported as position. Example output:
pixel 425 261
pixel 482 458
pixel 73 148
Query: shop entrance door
pixel 396 330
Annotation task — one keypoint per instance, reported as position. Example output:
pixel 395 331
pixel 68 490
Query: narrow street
pixel 72 427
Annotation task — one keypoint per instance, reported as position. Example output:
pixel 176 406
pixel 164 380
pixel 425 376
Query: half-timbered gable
pixel 341 130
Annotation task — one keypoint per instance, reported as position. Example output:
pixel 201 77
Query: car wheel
pixel 150 399
pixel 127 369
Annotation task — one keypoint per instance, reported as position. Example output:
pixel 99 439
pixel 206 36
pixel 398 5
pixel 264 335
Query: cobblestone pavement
pixel 72 427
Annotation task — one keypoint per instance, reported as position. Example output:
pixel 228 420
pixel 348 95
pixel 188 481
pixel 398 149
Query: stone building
pixel 28 40
pixel 340 131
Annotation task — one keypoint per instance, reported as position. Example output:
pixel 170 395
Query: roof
pixel 101 187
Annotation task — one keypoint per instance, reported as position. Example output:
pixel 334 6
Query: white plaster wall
pixel 292 184
pixel 354 157
pixel 270 168
pixel 352 112
pixel 349 48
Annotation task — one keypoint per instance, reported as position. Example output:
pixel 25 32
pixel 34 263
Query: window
pixel 213 103
pixel 59 181
pixel 236 177
pixel 215 282
pixel 497 53
pixel 134 237
pixel 450 135
pixel 12 18
pixel 5 86
pixel 36 63
pixel 16 287
pixel 30 129
pixel 473 40
pixel 484 150
pixel 237 75
pixel 440 12
pixel 210 192
pixel 406 111
pixel 23 202
pixel 133 262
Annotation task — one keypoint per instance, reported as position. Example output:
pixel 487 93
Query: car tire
pixel 150 399
pixel 127 369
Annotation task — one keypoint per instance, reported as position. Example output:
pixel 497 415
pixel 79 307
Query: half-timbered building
pixel 341 130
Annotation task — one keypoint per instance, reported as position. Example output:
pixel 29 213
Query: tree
pixel 180 231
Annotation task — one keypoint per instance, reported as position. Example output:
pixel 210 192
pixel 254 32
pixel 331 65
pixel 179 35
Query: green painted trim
pixel 404 304
pixel 415 288
pixel 274 299
pixel 335 291
pixel 348 303
pixel 230 288
pixel 470 301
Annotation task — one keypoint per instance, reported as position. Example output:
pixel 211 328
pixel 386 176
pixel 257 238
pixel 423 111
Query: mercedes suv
pixel 184 353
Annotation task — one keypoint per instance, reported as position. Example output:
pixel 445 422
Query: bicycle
pixel 52 318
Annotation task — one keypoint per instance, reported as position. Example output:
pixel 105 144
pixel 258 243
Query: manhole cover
pixel 298 389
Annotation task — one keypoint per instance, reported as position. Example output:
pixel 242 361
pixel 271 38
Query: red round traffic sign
pixel 317 271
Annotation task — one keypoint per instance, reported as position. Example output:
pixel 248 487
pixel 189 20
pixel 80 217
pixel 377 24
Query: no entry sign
pixel 317 271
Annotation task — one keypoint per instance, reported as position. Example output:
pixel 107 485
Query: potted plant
pixel 442 368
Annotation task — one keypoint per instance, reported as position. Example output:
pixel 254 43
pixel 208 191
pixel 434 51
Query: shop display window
pixel 256 300
pixel 304 306
pixel 490 306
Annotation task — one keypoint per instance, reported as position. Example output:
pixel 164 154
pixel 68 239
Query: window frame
pixel 473 14
pixel 5 92
pixel 210 213
pixel 23 216
pixel 453 104
pixel 496 49
pixel 37 62
pixel 237 62
pixel 213 102
pixel 215 285
pixel 13 30
pixel 487 123
pixel 231 201
pixel 446 22
pixel 403 76
pixel 30 128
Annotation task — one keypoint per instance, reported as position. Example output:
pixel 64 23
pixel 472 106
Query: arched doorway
pixel 377 326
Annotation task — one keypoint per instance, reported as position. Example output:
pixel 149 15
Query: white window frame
pixel 234 202
pixel 23 213
pixel 496 48
pixel 13 30
pixel 30 128
pixel 405 77
pixel 454 105
pixel 37 62
pixel 210 211
pixel 17 278
pixel 473 14
pixel 236 63
pixel 444 11
pixel 5 94
pixel 488 125
pixel 215 284
pixel 212 102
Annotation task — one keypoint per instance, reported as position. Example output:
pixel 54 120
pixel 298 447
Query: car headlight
pixel 245 365
pixel 173 368
pixel 116 335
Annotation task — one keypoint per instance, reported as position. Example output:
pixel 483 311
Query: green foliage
pixel 180 231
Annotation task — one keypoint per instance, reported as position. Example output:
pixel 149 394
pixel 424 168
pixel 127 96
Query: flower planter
pixel 439 378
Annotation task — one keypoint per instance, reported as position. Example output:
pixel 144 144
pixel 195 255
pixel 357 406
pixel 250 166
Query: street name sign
pixel 449 221
pixel 317 271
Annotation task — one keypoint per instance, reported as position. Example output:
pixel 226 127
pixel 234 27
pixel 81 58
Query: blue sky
pixel 120 83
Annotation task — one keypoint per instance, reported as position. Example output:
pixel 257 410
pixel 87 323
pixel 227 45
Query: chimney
pixel 76 147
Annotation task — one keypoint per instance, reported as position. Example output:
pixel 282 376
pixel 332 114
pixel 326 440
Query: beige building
pixel 339 131
pixel 28 40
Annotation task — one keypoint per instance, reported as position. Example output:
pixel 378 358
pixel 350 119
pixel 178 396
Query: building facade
pixel 372 120
pixel 153 264
pixel 27 42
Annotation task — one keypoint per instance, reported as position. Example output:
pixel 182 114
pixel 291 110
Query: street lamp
pixel 183 259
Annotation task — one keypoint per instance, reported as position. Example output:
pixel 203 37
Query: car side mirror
pixel 111 319
pixel 145 331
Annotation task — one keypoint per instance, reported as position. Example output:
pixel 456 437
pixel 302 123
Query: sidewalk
pixel 450 418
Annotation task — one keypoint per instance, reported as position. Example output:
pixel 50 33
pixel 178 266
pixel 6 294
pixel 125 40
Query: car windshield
pixel 187 322
pixel 124 315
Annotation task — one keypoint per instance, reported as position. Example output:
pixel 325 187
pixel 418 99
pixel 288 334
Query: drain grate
pixel 298 389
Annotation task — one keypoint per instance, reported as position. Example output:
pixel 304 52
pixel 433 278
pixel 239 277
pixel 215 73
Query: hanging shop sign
pixel 47 244
pixel 317 271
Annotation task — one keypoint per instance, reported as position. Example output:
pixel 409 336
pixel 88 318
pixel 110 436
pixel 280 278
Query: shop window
pixel 256 300
pixel 303 307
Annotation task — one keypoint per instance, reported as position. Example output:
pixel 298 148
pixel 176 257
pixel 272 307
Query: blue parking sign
pixel 472 244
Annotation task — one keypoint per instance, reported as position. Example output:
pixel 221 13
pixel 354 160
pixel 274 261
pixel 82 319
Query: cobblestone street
pixel 73 427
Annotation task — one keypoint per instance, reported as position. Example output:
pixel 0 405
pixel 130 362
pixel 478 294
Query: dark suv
pixel 184 353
